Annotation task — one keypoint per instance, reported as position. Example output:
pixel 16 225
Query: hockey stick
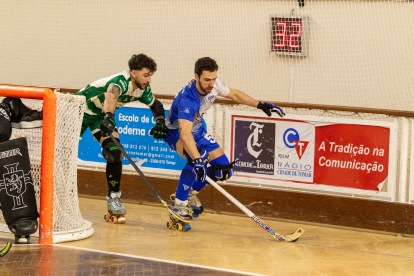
pixel 290 238
pixel 138 170
pixel 6 249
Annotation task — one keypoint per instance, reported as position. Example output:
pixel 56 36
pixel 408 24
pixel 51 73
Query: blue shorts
pixel 202 139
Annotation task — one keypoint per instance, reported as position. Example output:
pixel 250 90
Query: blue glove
pixel 200 169
pixel 268 108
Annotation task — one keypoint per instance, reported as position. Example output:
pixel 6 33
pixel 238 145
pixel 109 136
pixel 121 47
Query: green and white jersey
pixel 95 93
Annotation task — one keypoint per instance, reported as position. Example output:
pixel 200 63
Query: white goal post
pixel 53 151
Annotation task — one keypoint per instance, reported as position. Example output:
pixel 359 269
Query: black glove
pixel 108 124
pixel 159 130
pixel 268 108
pixel 200 169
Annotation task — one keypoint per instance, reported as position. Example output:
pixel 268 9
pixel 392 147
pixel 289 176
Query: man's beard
pixel 140 86
pixel 205 90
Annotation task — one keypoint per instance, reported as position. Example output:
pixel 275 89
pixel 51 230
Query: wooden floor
pixel 218 244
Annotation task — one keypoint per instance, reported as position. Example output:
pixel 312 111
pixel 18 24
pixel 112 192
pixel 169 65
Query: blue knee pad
pixel 220 170
pixel 185 183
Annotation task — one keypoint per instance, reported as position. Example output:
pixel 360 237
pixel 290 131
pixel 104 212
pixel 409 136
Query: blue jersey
pixel 190 105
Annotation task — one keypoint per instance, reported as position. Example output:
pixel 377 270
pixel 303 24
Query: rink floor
pixel 218 244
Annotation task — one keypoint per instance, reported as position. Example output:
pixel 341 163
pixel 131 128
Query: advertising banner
pixel 337 153
pixel 134 125
pixel 352 156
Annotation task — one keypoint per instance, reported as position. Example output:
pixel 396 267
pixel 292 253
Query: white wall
pixel 361 52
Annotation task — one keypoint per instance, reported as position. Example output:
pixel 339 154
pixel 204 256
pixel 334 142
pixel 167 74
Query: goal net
pixel 66 218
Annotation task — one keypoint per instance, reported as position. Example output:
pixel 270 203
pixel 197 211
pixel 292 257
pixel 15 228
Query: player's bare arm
pixel 187 139
pixel 242 98
pixel 111 98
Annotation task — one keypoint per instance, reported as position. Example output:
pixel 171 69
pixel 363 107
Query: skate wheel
pixel 175 226
pixel 107 217
pixel 180 227
pixel 115 219
pixel 22 239
pixel 195 215
pixel 186 227
pixel 172 197
pixel 170 224
pixel 122 220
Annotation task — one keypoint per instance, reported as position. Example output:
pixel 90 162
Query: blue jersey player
pixel 189 138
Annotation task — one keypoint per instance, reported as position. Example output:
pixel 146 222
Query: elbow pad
pixel 157 109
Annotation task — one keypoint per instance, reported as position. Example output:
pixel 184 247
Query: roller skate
pixel 193 202
pixel 22 229
pixel 22 116
pixel 180 216
pixel 116 211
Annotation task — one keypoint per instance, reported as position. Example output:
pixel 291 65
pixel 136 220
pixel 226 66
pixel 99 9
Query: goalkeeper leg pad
pixel 17 195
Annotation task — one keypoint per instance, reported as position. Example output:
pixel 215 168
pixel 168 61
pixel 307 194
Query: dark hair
pixel 205 64
pixel 137 62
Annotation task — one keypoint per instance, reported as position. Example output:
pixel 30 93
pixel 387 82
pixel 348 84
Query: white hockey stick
pixel 290 238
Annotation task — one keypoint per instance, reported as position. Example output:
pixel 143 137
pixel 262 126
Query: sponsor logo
pixel 261 223
pixel 253 140
pixel 186 187
pixel 15 182
pixel 300 147
pixel 10 153
pixel 254 146
pixel 292 140
pixel 289 136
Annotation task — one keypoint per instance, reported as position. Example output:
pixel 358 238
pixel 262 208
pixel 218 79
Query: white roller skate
pixel 180 215
pixel 193 202
pixel 116 211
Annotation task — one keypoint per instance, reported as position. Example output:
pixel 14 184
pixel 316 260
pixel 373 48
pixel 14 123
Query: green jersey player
pixel 103 97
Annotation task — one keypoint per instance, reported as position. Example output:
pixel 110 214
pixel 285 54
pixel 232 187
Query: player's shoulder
pixel 188 91
pixel 121 79
pixel 219 83
pixel 121 76
pixel 221 88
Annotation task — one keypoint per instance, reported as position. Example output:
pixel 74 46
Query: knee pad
pixel 111 152
pixel 203 154
pixel 222 169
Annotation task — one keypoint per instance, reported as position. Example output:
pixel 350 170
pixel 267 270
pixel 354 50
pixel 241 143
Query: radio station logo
pixel 292 140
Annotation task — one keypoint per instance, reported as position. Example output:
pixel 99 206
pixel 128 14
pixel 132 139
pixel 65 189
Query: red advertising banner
pixel 352 156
